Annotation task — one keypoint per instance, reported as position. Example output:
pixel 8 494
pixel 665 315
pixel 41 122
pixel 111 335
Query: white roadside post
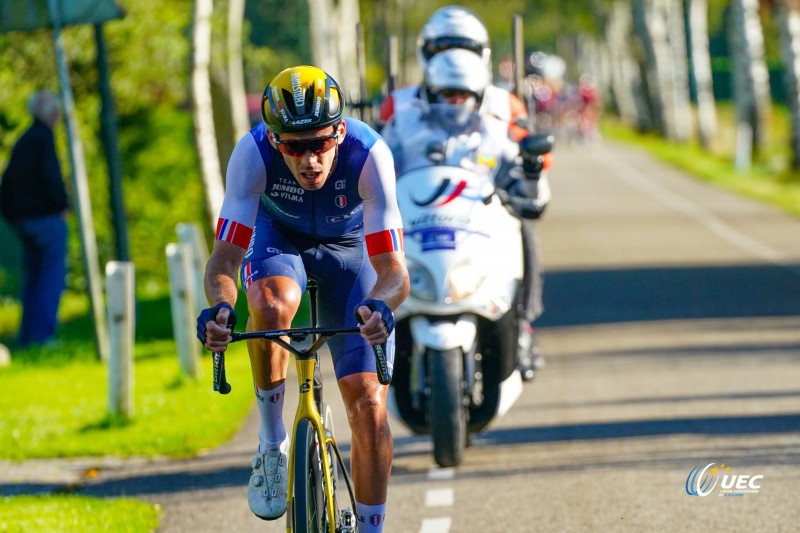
pixel 182 299
pixel 191 234
pixel 121 297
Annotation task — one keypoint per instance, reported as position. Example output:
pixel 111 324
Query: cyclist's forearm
pixel 392 285
pixel 221 283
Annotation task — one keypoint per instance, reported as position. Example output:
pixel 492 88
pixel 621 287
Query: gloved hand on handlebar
pixel 211 315
pixel 386 316
pixel 376 326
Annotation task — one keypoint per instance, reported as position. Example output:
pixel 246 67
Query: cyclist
pixel 457 27
pixel 310 193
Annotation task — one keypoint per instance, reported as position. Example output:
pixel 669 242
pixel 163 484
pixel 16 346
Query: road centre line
pixel 441 473
pixel 439 497
pixel 436 525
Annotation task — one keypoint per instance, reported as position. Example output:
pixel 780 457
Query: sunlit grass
pixel 61 409
pixel 76 514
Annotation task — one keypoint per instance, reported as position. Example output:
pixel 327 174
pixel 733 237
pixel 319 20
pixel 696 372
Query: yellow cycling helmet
pixel 301 98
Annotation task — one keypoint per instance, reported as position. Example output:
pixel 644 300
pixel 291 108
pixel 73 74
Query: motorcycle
pixel 455 366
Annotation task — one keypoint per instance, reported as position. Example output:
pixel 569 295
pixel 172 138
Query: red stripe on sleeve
pixel 381 243
pixel 241 236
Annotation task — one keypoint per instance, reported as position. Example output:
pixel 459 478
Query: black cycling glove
pixel 381 307
pixel 210 315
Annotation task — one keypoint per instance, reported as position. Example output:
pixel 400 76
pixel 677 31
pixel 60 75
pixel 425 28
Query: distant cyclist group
pixel 310 195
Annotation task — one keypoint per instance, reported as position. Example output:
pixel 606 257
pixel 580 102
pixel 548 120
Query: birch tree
pixel 236 88
pixel 659 26
pixel 334 43
pixel 787 14
pixel 205 133
pixel 701 70
pixel 750 78
pixel 625 80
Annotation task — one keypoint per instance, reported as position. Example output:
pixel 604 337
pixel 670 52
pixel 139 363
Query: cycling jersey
pixel 326 234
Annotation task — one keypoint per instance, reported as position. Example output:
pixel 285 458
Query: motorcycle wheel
pixel 446 409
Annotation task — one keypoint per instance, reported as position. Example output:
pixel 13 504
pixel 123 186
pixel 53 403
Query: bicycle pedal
pixel 347 522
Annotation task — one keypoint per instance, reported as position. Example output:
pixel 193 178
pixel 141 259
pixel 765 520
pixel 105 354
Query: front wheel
pixel 308 503
pixel 447 413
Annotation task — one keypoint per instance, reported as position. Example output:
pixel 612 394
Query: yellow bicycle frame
pixel 307 409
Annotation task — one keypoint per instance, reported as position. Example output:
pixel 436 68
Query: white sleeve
pixel 245 180
pixel 383 225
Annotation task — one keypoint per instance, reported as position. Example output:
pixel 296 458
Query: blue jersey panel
pixel 334 210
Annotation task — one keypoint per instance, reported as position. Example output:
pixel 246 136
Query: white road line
pixel 436 525
pixel 439 497
pixel 632 176
pixel 441 473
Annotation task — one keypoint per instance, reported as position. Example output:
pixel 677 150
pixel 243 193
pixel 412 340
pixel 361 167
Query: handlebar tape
pixel 381 362
pixel 220 383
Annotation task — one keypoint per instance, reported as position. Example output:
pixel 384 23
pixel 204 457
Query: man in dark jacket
pixel 33 199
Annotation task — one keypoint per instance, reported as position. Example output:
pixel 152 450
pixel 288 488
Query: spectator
pixel 33 199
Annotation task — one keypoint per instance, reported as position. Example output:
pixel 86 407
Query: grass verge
pixel 76 514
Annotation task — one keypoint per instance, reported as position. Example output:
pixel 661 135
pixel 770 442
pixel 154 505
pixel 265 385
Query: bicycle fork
pixel 307 408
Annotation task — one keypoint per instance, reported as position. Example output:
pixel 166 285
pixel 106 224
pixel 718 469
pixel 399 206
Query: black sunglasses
pixel 299 147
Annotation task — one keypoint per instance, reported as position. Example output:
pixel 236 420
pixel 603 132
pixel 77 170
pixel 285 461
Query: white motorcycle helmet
pixel 459 70
pixel 453 27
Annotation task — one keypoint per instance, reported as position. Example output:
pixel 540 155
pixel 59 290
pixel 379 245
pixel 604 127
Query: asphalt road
pixel 672 337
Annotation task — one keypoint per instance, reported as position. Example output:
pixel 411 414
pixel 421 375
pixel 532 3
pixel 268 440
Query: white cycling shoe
pixel 266 492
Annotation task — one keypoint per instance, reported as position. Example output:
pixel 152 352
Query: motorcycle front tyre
pixel 447 413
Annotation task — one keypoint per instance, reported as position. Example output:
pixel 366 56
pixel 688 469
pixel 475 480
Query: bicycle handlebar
pixel 223 387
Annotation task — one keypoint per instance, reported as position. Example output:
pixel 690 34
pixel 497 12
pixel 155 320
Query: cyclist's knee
pixel 273 301
pixel 366 406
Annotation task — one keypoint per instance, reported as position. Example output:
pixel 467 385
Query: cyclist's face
pixel 310 155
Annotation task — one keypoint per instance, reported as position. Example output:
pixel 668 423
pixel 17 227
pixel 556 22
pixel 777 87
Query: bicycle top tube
pixel 296 334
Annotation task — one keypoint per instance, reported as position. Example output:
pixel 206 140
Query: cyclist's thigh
pixel 271 253
pixel 345 276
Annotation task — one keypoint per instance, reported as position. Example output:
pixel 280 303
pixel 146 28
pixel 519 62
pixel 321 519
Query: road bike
pixel 320 496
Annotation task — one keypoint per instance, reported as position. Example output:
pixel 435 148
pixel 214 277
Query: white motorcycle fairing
pixel 465 259
pixel 463 247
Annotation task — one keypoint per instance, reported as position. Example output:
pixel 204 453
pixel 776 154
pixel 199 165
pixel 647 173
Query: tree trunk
pixel 787 14
pixel 659 25
pixel 701 69
pixel 750 75
pixel 236 89
pixel 679 80
pixel 205 133
pixel 334 43
pixel 626 83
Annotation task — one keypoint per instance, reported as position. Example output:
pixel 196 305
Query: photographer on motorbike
pixel 455 27
pixel 445 126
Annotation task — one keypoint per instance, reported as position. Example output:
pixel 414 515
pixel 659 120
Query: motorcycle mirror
pixel 537 144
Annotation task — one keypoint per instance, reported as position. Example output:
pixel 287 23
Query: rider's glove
pixel 210 315
pixel 381 307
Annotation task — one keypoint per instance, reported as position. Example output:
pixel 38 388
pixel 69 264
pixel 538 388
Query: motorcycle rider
pixel 457 27
pixel 446 126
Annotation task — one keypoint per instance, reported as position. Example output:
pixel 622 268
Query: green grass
pixel 59 407
pixel 768 180
pixel 76 514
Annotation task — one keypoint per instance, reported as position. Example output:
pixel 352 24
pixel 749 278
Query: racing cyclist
pixel 311 194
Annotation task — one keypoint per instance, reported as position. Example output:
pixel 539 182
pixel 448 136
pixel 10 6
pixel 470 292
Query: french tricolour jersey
pixel 359 193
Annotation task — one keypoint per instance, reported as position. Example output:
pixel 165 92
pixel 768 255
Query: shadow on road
pixel 583 297
pixel 711 426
